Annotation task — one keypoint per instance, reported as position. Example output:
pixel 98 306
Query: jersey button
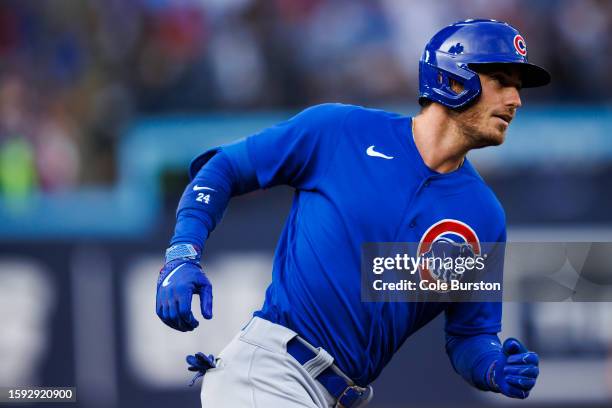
pixel 412 224
pixel 427 183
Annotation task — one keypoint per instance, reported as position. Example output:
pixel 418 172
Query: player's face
pixel 485 122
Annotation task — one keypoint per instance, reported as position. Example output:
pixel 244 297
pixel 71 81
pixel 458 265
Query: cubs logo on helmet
pixel 447 238
pixel 520 45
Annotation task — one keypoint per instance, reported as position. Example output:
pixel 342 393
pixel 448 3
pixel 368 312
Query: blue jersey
pixel 360 178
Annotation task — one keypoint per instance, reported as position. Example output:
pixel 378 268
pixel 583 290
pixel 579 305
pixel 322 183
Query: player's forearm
pixel 226 174
pixel 472 356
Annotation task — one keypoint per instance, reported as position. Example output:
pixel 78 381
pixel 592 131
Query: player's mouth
pixel 507 118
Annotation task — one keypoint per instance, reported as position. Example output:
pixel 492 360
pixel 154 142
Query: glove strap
pixel 491 377
pixel 182 251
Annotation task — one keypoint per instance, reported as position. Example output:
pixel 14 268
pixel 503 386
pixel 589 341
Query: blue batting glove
pixel 200 363
pixel 179 279
pixel 516 374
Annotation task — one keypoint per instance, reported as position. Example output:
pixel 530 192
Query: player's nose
pixel 513 97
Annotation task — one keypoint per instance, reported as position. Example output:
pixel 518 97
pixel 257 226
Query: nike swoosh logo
pixel 374 153
pixel 198 188
pixel 166 281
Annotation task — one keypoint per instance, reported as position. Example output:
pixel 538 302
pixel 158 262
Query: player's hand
pixel 178 281
pixel 516 374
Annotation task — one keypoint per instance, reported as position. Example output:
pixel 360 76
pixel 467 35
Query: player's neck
pixel 439 140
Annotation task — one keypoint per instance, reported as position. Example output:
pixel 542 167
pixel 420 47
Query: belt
pixel 341 387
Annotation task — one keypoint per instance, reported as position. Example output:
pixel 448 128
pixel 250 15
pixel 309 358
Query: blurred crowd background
pixel 73 74
pixel 104 102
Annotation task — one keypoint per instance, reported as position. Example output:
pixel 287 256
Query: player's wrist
pixel 183 251
pixel 490 377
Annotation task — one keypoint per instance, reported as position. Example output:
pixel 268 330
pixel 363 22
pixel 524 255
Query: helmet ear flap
pixel 439 85
pixel 451 85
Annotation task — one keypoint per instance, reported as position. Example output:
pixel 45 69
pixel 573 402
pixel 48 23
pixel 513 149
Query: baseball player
pixel 360 175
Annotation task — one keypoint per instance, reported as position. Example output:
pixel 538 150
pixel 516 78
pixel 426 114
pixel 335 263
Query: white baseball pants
pixel 255 371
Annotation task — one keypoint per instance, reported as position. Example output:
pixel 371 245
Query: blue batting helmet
pixel 454 50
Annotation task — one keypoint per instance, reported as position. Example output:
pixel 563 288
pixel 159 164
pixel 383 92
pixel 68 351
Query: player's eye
pixel 499 79
pixel 506 82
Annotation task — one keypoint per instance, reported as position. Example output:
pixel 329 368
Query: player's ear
pixel 456 86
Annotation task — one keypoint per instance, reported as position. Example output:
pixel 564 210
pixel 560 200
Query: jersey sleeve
pixel 298 152
pixel 473 318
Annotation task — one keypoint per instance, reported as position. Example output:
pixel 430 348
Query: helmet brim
pixel 532 76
